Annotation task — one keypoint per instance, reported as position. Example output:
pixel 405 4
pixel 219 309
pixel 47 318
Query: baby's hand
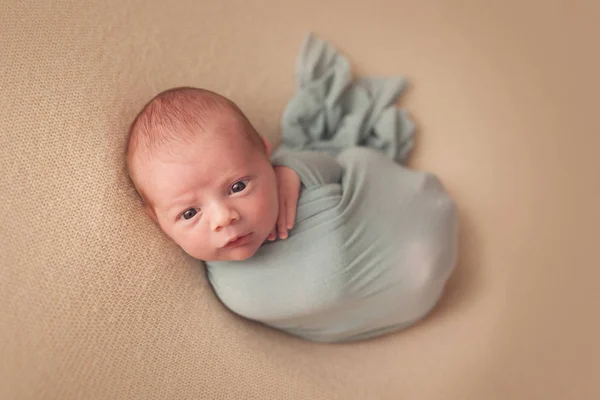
pixel 288 186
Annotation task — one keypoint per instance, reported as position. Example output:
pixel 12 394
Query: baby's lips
pixel 244 236
pixel 231 239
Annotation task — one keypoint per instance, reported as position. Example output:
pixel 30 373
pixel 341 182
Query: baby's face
pixel 216 198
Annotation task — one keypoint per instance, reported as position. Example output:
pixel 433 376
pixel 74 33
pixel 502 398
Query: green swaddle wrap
pixel 374 242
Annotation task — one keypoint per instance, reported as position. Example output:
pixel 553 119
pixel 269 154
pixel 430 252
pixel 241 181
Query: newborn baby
pixel 370 246
pixel 205 177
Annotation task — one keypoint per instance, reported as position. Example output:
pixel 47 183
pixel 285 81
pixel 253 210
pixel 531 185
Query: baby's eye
pixel 189 214
pixel 238 186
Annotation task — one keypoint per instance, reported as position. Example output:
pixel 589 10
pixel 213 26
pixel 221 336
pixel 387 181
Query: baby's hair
pixel 177 115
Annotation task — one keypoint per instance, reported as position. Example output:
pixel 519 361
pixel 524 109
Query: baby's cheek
pixel 188 242
pixel 197 249
pixel 270 207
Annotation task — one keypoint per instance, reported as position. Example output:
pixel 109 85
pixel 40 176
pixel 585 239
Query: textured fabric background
pixel 97 304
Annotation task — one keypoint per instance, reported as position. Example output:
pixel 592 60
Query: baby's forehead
pixel 184 165
pixel 226 146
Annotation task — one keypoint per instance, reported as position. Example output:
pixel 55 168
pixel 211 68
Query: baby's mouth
pixel 238 241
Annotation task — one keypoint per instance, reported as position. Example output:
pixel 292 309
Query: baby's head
pixel 203 173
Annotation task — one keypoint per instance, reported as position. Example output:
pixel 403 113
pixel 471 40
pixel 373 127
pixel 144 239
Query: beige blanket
pixel 98 304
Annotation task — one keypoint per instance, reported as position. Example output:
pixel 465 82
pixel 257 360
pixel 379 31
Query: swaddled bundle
pixel 374 242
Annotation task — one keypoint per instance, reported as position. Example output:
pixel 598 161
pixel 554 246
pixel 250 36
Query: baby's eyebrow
pixel 179 203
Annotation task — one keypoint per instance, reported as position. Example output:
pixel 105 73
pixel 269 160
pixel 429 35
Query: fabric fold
pixel 332 111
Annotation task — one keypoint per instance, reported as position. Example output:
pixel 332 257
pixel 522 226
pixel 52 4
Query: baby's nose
pixel 222 217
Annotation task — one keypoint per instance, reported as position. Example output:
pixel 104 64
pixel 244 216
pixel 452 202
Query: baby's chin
pixel 239 257
pixel 238 254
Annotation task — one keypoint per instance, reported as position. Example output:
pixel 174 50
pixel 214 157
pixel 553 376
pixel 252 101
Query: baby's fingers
pixel 273 235
pixel 281 220
pixel 291 212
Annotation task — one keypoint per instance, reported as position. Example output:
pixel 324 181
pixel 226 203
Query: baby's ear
pixel 267 146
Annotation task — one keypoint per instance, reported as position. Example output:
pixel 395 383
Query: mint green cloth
pixel 373 243
pixel 331 111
